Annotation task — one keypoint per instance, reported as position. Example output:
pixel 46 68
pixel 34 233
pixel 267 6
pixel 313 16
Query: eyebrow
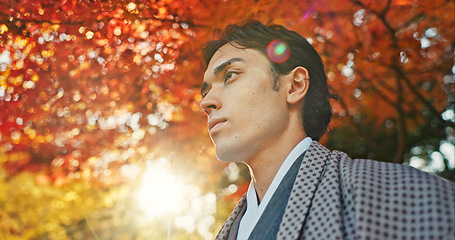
pixel 219 69
pixel 225 64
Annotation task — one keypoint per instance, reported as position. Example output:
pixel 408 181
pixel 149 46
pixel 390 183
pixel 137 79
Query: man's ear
pixel 300 82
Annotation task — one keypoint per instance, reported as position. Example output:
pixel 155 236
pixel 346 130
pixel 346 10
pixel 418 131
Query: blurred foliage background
pixel 101 136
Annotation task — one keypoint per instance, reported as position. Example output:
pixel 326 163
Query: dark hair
pixel 252 34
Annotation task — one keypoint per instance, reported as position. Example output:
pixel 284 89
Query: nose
pixel 209 103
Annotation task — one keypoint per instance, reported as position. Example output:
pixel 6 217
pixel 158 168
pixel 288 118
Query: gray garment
pixel 334 197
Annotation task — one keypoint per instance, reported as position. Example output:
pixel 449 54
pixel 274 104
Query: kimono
pixel 327 195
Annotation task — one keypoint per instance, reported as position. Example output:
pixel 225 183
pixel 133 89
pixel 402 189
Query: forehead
pixel 249 57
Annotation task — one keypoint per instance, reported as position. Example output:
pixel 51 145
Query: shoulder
pixel 399 198
pixel 367 172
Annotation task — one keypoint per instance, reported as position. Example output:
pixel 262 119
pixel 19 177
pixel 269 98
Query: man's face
pixel 245 115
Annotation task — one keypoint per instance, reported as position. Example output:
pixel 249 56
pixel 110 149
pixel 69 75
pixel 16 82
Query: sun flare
pixel 161 193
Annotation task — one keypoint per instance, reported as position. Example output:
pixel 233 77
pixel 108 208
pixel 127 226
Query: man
pixel 266 97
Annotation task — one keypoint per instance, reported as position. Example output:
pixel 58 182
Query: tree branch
pixel 419 96
pixel 367 137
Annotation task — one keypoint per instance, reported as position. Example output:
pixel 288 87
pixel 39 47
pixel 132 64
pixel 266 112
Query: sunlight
pixel 161 193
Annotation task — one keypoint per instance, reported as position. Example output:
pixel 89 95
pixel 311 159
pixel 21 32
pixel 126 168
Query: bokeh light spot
pixel 130 7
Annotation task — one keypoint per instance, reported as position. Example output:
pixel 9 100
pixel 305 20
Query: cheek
pixel 246 96
pixel 254 107
pixel 248 99
pixel 244 108
pixel 244 92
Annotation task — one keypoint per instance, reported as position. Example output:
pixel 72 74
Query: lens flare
pixel 307 14
pixel 278 51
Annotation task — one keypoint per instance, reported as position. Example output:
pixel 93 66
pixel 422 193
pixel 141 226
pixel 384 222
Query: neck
pixel 264 167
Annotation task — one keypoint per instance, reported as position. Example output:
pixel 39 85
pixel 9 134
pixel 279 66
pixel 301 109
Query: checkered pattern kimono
pixel 335 197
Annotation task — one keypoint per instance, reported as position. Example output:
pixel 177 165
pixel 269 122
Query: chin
pixel 225 156
pixel 230 155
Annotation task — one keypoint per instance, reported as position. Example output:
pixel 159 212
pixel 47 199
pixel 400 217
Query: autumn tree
pixel 94 92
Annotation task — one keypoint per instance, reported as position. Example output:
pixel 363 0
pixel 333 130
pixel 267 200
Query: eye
pixel 229 75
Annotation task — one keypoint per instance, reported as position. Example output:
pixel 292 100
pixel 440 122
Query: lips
pixel 214 122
